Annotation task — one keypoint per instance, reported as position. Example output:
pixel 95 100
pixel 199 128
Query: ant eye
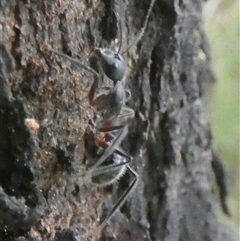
pixel 117 56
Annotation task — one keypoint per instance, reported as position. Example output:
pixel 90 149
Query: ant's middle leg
pixel 122 199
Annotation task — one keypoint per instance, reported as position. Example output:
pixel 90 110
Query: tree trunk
pixel 46 122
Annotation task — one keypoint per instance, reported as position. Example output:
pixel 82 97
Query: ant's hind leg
pixel 121 200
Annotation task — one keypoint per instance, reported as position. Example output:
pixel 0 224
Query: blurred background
pixel 222 27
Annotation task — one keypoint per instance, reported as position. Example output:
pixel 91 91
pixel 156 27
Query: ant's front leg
pixel 92 92
pixel 72 60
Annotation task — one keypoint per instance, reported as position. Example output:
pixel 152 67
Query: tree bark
pixel 46 123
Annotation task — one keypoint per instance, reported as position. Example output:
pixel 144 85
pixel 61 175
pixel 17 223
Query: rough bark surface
pixel 45 118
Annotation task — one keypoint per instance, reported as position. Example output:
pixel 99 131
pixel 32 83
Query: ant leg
pixel 87 68
pixel 121 200
pixel 105 175
pixel 101 102
pixel 126 113
pixel 121 152
pixel 91 70
pixel 100 171
pixel 109 128
pixel 110 149
pixel 92 91
pixel 118 122
pixel 104 144
pixel 107 169
pixel 128 95
pixel 83 66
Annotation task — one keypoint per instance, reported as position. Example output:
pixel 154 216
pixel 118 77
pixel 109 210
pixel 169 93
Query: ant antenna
pixel 140 34
pixel 119 26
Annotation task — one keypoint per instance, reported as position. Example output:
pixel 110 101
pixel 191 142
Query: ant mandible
pixel 114 119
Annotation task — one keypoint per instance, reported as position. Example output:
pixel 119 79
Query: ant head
pixel 112 64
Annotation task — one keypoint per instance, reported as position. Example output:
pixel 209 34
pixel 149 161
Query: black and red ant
pixel 115 116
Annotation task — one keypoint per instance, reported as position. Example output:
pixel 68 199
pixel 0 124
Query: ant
pixel 114 119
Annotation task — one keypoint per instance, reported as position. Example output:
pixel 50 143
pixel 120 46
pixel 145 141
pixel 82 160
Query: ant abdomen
pixel 114 172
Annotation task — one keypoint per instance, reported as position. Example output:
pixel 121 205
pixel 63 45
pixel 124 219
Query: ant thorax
pixel 115 100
